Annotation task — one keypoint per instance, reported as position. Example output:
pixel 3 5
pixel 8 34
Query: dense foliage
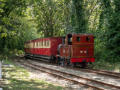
pixel 22 20
pixel 15 27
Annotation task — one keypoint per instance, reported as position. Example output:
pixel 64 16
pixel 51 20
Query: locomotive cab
pixel 78 49
pixel 82 50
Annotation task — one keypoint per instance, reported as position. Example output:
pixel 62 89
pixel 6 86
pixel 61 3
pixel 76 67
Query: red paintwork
pixel 87 50
pixel 83 39
pixel 54 41
pixel 77 52
pixel 82 60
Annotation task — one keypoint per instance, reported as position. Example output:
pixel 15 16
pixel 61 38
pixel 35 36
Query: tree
pixel 113 33
pixel 15 27
pixel 80 16
pixel 48 16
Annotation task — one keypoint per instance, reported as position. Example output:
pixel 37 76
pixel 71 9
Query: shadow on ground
pixel 17 84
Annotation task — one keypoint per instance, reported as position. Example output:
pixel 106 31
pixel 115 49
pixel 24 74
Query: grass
pixel 103 65
pixel 18 78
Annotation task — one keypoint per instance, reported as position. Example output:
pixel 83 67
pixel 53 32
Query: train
pixel 73 49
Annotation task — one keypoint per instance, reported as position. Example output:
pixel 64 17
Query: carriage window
pixel 34 45
pixel 31 45
pixel 28 45
pixel 78 39
pixel 37 44
pixel 44 43
pixel 48 43
pixel 87 38
pixel 40 44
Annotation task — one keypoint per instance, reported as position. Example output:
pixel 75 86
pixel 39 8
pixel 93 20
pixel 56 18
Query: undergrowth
pixel 104 65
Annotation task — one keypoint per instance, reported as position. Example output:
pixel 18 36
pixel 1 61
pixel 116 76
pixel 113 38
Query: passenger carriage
pixel 45 48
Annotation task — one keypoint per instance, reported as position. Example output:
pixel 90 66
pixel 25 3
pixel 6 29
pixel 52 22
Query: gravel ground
pixel 54 80
pixel 105 79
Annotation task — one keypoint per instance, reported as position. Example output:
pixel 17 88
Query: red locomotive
pixel 74 49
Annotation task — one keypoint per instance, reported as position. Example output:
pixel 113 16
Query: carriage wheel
pixel 52 59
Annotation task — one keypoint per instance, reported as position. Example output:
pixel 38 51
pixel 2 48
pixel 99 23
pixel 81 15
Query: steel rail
pixel 105 73
pixel 99 82
pixel 109 72
pixel 101 72
pixel 111 85
pixel 43 69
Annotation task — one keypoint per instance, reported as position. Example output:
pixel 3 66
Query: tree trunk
pixel 80 16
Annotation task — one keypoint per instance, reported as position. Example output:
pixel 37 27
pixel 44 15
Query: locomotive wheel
pixel 83 64
pixel 63 63
pixel 72 65
pixel 50 60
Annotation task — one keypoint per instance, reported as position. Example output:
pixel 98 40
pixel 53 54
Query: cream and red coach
pixel 72 49
pixel 45 48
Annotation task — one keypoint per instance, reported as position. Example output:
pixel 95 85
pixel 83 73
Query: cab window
pixel 87 39
pixel 78 39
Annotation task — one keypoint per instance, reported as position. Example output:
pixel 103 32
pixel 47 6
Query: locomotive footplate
pixel 82 60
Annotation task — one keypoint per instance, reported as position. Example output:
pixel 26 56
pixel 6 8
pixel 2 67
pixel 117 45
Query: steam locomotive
pixel 73 49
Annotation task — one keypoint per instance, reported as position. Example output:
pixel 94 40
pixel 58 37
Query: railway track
pixel 98 85
pixel 102 72
pixel 96 71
